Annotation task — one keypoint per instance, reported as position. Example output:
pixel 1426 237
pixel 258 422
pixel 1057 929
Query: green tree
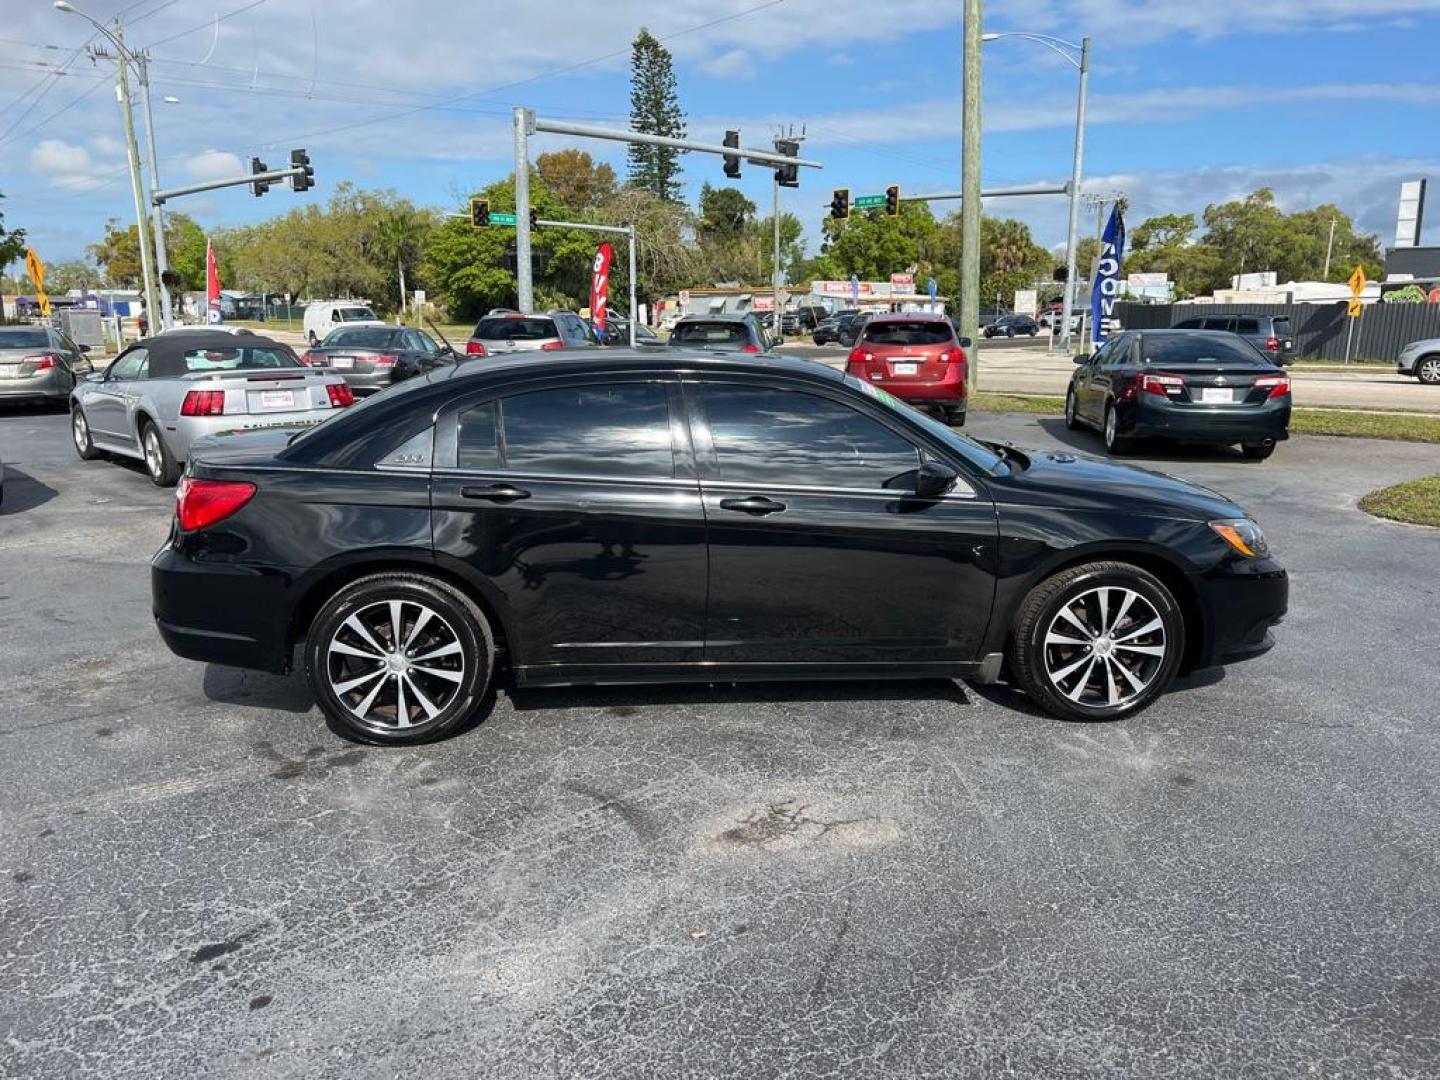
pixel 725 213
pixel 118 254
pixel 667 259
pixel 654 110
pixel 574 179
pixel 12 243
pixel 74 274
pixel 395 240
pixel 872 246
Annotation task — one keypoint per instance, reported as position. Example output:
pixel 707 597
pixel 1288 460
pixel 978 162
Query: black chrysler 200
pixel 629 517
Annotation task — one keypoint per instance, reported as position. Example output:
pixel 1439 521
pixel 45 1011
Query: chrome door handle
pixel 758 505
pixel 495 493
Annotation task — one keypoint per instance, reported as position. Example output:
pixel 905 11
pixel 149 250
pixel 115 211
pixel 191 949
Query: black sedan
pixel 374 357
pixel 670 516
pixel 1012 326
pixel 1186 385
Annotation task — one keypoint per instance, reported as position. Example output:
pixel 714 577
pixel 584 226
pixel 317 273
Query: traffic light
pixel 840 204
pixel 299 159
pixel 892 201
pixel 259 187
pixel 732 161
pixel 1061 273
pixel 534 219
pixel 787 175
pixel 479 213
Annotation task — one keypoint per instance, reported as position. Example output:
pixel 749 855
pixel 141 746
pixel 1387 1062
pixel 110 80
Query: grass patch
pixel 1042 404
pixel 1410 427
pixel 1414 501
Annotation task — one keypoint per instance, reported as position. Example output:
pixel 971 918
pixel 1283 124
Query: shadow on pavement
pixel 235 686
pixel 23 492
pixel 569 697
pixel 1088 442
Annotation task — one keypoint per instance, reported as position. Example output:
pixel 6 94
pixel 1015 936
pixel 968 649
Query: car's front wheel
pixel 1427 370
pixel 80 433
pixel 399 658
pixel 1097 641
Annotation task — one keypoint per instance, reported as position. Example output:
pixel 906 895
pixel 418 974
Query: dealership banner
pixel 212 286
pixel 1107 276
pixel 600 285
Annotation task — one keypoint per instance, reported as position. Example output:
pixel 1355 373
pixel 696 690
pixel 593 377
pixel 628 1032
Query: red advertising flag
pixel 600 285
pixel 212 285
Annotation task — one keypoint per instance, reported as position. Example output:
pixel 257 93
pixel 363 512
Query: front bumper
pixel 1243 600
pixel 1159 416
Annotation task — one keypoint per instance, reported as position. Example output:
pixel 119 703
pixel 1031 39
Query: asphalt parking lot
pixel 822 880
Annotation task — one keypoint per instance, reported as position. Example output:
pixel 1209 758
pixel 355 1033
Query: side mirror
pixel 95 376
pixel 1080 358
pixel 83 348
pixel 965 343
pixel 933 479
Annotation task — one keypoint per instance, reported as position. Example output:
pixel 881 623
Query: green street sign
pixel 862 202
pixel 497 218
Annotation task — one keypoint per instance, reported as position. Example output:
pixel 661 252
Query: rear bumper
pixel 1159 417
pixel 46 386
pixel 368 382
pixel 949 389
pixel 1243 602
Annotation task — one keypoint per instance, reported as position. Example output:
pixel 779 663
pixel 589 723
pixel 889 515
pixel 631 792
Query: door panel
pixel 844 571
pixel 107 406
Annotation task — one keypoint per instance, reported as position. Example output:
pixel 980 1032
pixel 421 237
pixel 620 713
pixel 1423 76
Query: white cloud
pixel 107 145
pixel 59 157
pixel 735 64
pixel 214 165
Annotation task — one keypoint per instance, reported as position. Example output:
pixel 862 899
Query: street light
pixel 124 57
pixel 1067 49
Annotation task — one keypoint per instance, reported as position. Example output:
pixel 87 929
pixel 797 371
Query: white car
pixel 322 316
pixel 1422 360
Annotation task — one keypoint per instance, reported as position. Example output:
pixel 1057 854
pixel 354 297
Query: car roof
pixel 173 344
pixel 907 316
pixel 722 316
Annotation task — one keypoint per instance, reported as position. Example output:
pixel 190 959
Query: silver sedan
pixel 39 364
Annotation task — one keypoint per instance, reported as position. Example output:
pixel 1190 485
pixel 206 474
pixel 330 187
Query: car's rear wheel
pixel 80 433
pixel 1114 441
pixel 1427 370
pixel 395 659
pixel 164 470
pixel 1097 641
pixel 1258 450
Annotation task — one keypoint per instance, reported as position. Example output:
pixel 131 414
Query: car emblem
pixel 1219 380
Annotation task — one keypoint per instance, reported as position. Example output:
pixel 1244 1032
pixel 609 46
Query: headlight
pixel 1243 535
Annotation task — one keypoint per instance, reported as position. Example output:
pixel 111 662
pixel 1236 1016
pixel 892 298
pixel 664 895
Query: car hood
pixel 1082 482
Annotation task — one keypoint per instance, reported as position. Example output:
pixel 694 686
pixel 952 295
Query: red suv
pixel 917 358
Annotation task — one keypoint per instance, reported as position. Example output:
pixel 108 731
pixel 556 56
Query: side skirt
pixel 621 674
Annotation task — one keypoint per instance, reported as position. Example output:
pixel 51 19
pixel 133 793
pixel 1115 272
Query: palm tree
pixel 396 240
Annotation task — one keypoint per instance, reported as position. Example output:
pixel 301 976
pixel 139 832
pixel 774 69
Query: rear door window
pixel 908 333
pixel 767 436
pixel 1218 324
pixel 1282 327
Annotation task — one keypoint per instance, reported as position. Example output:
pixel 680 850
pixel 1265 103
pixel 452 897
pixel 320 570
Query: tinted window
pixel 1282 327
pixel 14 338
pixel 362 337
pixel 476 438
pixel 511 329
pixel 354 314
pixel 710 333
pixel 1199 349
pixel 1216 324
pixel 908 333
pixel 619 430
pixel 767 436
pixel 1249 326
pixel 1190 324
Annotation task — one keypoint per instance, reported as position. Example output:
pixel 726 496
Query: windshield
pixel 362 336
pixel 11 338
pixel 908 333
pixel 1201 348
pixel 966 447
pixel 709 333
pixel 512 329
pixel 355 314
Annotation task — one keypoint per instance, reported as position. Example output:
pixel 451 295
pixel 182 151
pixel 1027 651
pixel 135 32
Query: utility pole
pixel 147 271
pixel 970 186
pixel 162 260
pixel 1329 247
pixel 1072 230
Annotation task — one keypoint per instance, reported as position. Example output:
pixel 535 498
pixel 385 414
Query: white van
pixel 322 316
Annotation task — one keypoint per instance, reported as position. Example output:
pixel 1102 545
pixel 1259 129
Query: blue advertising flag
pixel 1106 289
pixel 854 289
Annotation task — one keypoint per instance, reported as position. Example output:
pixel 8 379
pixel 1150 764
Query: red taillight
pixel 340 395
pixel 857 355
pixel 42 363
pixel 1161 384
pixel 474 348
pixel 551 346
pixel 201 503
pixel 308 358
pixel 1272 344
pixel 203 403
pixel 750 348
pixel 383 360
pixel 1279 385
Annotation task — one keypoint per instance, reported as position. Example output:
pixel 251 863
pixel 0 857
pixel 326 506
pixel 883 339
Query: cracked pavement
pixel 818 880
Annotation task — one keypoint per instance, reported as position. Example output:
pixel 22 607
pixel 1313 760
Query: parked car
pixel 720 333
pixel 802 319
pixel 617 333
pixel 159 396
pixel 322 316
pixel 671 515
pixel 851 327
pixel 1422 360
pixel 1011 325
pixel 371 358
pixel 1186 385
pixel 40 364
pixel 826 330
pixel 1269 333
pixel 917 358
pixel 495 335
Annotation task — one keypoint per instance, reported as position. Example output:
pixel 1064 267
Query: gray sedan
pixel 39 364
pixel 721 333
pixel 161 395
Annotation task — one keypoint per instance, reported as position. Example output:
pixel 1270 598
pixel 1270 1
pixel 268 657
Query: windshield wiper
pixel 1007 450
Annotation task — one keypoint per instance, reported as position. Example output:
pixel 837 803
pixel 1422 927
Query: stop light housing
pixel 534 219
pixel 840 204
pixel 259 187
pixel 787 175
pixel 732 161
pixel 304 181
pixel 479 213
pixel 892 201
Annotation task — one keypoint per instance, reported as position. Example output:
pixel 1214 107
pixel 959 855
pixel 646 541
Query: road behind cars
pixel 818 879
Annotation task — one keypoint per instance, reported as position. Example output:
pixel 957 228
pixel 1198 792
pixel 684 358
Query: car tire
pixel 955 417
pixel 1009 331
pixel 81 437
pixel 1034 330
pixel 314 341
pixel 1259 450
pixel 1115 443
pixel 1097 641
pixel 1072 418
pixel 1427 369
pixel 436 622
pixel 160 464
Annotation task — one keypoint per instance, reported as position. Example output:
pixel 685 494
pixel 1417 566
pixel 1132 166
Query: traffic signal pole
pixel 524 271
pixel 970 186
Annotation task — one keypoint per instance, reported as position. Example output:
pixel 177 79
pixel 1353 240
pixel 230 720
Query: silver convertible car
pixel 165 392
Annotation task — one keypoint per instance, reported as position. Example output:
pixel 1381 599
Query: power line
pixel 208 23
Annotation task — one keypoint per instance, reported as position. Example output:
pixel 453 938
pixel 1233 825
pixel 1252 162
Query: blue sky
pixel 1192 103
